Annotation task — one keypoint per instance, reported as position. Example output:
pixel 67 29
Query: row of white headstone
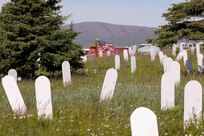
pixel 66 73
pixel 181 48
pixel 42 92
pixel 132 61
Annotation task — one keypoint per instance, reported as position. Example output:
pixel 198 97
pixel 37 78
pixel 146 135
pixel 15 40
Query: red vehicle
pixel 104 47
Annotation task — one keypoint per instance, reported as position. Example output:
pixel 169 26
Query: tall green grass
pixel 77 110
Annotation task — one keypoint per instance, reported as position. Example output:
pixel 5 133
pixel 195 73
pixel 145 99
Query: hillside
pixel 120 35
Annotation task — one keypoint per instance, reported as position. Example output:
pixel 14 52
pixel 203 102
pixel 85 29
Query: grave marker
pixel 133 64
pixel 185 57
pixel 109 84
pixel 192 50
pixel 13 73
pixel 189 66
pixel 100 54
pixel 152 53
pixel 174 50
pixel 200 60
pixel 179 56
pixel 125 54
pixel 43 97
pixel 181 47
pixel 13 94
pixel 166 63
pixel 167 91
pixel 175 72
pixel 108 53
pixel 66 73
pixel 117 62
pixel 192 101
pixel 143 122
pixel 160 56
pixel 197 48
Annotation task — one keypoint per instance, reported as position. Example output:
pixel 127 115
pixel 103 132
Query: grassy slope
pixel 77 110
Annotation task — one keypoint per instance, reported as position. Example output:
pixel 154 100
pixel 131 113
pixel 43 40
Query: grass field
pixel 77 110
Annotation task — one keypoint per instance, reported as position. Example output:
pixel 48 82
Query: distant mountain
pixel 120 35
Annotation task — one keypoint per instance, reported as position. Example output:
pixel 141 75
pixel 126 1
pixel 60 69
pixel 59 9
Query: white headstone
pixel 153 53
pixel 66 73
pixel 43 97
pixel 132 50
pixel 185 57
pixel 109 84
pixel 175 72
pixel 166 63
pixel 108 53
pixel 192 50
pixel 13 94
pixel 197 49
pixel 125 54
pixel 174 50
pixel 200 60
pixel 133 64
pixel 117 62
pixel 181 47
pixel 161 54
pixel 192 101
pixel 100 54
pixel 167 91
pixel 143 122
pixel 179 56
pixel 13 73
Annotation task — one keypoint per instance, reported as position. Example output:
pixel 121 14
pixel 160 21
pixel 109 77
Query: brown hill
pixel 120 35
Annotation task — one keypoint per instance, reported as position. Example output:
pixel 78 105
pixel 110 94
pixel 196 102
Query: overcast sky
pixel 123 12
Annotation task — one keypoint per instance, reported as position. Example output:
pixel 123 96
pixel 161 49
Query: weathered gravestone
pixel 43 97
pixel 192 102
pixel 66 73
pixel 125 54
pixel 192 49
pixel 143 122
pixel 163 58
pixel 133 64
pixel 13 94
pixel 197 49
pixel 185 57
pixel 181 47
pixel 174 50
pixel 200 60
pixel 200 69
pixel 175 72
pixel 166 64
pixel 100 54
pixel 160 56
pixel 108 53
pixel 117 62
pixel 179 56
pixel 167 91
pixel 153 52
pixel 109 84
pixel 189 66
pixel 13 73
pixel 132 50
